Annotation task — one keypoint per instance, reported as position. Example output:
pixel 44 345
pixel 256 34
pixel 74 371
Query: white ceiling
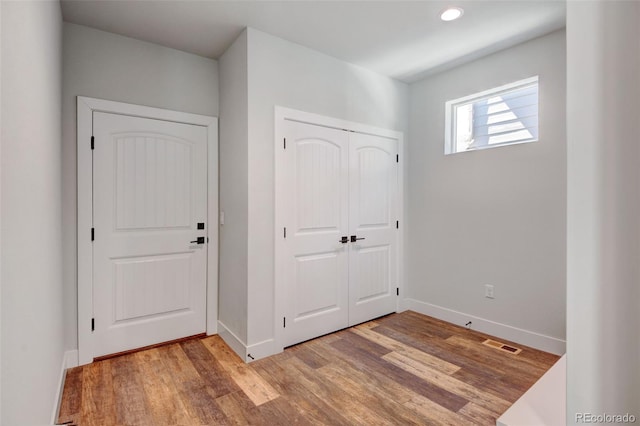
pixel 405 40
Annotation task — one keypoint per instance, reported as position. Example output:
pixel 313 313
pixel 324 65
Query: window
pixel 502 116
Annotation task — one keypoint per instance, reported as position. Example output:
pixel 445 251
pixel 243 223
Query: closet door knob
pixel 354 239
pixel 344 240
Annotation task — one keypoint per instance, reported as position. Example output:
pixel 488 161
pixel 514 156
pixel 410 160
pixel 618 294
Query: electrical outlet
pixel 488 291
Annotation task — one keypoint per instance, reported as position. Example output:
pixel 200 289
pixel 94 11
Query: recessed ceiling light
pixel 451 14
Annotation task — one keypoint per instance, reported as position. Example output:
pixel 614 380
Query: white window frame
pixel 450 113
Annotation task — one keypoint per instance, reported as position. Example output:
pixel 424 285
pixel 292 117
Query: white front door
pixel 316 261
pixel 340 239
pixel 149 209
pixel 373 183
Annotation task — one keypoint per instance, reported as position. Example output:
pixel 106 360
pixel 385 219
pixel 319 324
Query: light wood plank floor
pixel 401 369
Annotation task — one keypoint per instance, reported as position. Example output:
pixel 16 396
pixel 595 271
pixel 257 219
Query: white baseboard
pixel 212 327
pixel 504 331
pixel 262 350
pixel 404 305
pixel 246 353
pixel 234 342
pixel 58 397
pixel 69 360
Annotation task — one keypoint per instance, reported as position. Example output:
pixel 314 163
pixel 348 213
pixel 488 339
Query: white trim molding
pixel 247 353
pixel 262 350
pixel 58 398
pixel 234 342
pixel 503 331
pixel 85 109
pixel 69 360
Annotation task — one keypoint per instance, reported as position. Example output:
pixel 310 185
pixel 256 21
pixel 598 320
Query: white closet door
pixel 316 262
pixel 373 184
pixel 150 192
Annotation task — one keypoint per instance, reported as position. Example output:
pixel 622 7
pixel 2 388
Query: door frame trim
pixel 85 108
pixel 283 114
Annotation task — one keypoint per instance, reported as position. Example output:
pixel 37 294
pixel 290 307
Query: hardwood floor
pixel 401 369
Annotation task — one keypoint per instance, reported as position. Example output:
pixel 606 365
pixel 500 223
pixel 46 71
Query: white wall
pixel 0 213
pixel 32 318
pixel 286 74
pixel 108 66
pixel 603 211
pixel 234 189
pixel 494 216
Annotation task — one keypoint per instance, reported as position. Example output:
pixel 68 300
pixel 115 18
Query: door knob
pixel 354 239
pixel 200 240
pixel 344 240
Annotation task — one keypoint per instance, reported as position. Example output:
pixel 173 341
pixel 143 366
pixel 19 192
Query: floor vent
pixel 502 346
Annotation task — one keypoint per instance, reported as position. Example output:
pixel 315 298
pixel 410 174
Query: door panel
pixel 150 285
pixel 152 182
pixel 373 273
pixel 316 277
pixel 317 285
pixel 373 181
pixel 150 191
pixel 318 180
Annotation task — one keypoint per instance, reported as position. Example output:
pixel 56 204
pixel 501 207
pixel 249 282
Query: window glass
pixel 502 116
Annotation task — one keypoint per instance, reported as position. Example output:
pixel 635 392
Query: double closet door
pixel 340 189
